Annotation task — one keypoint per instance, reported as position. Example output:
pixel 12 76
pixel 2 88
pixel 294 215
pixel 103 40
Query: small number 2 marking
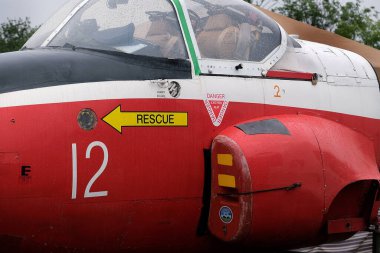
pixel 88 193
pixel 277 94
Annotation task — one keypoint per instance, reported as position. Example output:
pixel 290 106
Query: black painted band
pixel 39 68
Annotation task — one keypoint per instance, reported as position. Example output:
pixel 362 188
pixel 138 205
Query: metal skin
pixel 154 177
pixel 265 188
pixel 75 179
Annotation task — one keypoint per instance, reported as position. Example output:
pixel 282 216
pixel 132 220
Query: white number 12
pixel 88 193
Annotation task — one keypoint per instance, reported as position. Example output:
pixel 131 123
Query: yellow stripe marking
pixel 225 159
pixel 226 181
pixel 119 119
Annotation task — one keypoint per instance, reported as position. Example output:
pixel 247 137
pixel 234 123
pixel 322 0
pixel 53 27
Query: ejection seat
pixel 221 39
pixel 218 38
pixel 162 33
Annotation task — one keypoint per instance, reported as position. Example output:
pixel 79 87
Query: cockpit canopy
pixel 148 27
pixel 233 30
pixel 214 29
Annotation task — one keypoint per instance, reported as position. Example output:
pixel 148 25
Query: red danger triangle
pixel 216 106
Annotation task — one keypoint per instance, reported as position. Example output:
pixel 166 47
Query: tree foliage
pixel 350 20
pixel 359 24
pixel 14 34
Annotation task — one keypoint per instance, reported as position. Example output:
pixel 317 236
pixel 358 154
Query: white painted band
pixel 355 100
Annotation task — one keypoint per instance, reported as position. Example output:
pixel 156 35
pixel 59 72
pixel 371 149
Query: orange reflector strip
pixel 225 159
pixel 226 181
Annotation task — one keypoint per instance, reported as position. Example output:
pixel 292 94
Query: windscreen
pixel 48 27
pixel 140 27
pixel 232 30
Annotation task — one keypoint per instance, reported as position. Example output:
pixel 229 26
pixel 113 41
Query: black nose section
pixel 39 68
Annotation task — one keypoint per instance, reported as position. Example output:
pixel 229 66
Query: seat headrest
pixel 218 22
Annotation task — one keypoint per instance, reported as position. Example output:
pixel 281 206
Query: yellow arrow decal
pixel 118 119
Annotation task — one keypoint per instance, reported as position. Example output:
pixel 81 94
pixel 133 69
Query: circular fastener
pixel 87 119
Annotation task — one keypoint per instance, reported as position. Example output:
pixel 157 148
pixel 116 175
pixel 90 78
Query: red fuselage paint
pixel 154 176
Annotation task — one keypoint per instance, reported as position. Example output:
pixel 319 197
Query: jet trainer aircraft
pixel 183 126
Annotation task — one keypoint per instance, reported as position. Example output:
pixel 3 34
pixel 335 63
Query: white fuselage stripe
pixel 358 101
